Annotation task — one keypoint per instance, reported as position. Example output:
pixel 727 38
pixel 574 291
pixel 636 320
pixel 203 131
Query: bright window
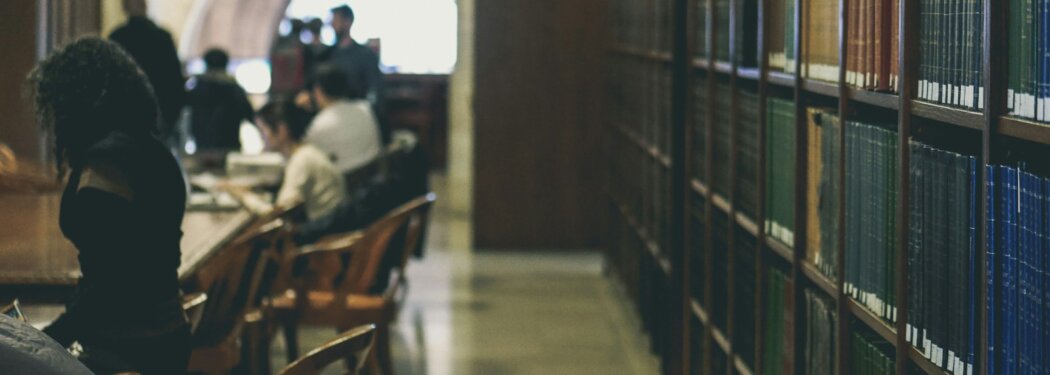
pixel 416 36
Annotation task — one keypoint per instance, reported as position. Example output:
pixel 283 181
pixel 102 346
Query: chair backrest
pixel 413 229
pixel 193 305
pixel 368 252
pixel 232 281
pixel 354 346
pixel 360 253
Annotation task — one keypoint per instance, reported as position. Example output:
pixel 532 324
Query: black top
pixel 217 106
pixel 361 66
pixel 154 50
pixel 123 211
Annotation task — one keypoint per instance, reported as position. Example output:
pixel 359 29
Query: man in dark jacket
pixel 217 105
pixel 153 49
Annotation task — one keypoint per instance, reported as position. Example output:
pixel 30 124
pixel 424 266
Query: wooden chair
pixel 342 300
pixel 193 305
pixel 354 345
pixel 232 282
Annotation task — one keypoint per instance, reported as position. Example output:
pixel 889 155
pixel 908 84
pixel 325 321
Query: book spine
pixel 991 316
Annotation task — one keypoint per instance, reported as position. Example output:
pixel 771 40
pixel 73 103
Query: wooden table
pixel 33 251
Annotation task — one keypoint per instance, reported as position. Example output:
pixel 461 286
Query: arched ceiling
pixel 245 28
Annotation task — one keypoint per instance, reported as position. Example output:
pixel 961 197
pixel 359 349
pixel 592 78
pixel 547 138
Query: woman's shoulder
pixel 106 177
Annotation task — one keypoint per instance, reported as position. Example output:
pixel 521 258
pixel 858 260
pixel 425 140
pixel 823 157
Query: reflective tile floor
pixel 522 312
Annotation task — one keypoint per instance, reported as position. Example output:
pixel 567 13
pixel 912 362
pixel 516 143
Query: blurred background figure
pixel 217 105
pixel 315 47
pixel 345 128
pixel 288 63
pixel 154 50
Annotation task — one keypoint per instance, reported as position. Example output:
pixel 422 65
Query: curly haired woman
pixel 122 208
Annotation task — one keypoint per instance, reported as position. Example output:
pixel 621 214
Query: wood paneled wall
pixel 537 181
pixel 18 38
pixel 21 42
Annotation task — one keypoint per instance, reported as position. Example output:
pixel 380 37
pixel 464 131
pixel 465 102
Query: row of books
pixel 777 324
pixel 745 198
pixel 1018 299
pixel 719 269
pixel 723 142
pixel 868 354
pixel 822 189
pixel 640 100
pixel 780 170
pixel 781 43
pixel 871 206
pixel 872 44
pixel 820 49
pixel 950 38
pixel 1028 33
pixel 697 244
pixel 699 124
pixel 821 320
pixel 643 25
pixel 744 309
pixel 941 249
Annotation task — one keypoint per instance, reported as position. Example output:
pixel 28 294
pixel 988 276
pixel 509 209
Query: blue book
pixel 1045 240
pixel 1009 283
pixel 971 284
pixel 990 236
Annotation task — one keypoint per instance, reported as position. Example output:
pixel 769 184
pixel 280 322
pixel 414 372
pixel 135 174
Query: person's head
pixel 215 59
pixel 297 27
pixel 314 26
pixel 88 90
pixel 135 8
pixel 342 20
pixel 283 124
pixel 332 83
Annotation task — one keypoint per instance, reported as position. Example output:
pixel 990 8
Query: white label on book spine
pixel 980 98
pixel 951 360
pixel 969 369
pixel 1010 99
pixel 907 333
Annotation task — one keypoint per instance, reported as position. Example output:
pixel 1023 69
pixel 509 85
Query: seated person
pixel 345 128
pixel 309 176
pixel 217 106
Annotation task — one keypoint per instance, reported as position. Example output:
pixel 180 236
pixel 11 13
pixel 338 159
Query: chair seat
pixel 216 358
pixel 322 308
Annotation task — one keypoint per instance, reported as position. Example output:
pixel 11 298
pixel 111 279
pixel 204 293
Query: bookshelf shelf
pixel 721 203
pixel 701 63
pixel 875 98
pixel 658 256
pixel 780 79
pixel 749 73
pixel 741 367
pixel 779 249
pixel 817 278
pixel 723 67
pixel 1024 129
pixel 875 323
pixel 820 87
pixel 645 55
pixel 652 151
pixel 720 339
pixel 747 223
pixel 698 310
pixel 698 187
pixel 924 364
pixel 949 115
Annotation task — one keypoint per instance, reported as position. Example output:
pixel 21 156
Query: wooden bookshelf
pixel 697 73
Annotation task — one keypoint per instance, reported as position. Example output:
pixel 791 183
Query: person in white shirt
pixel 345 128
pixel 309 175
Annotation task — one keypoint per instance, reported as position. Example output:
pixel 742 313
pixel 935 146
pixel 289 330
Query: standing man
pixel 154 51
pixel 217 106
pixel 358 61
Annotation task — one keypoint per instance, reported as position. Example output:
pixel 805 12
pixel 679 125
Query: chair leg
pixel 291 339
pixel 257 349
pixel 382 349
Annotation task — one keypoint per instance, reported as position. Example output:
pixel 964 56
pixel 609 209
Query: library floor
pixel 506 312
